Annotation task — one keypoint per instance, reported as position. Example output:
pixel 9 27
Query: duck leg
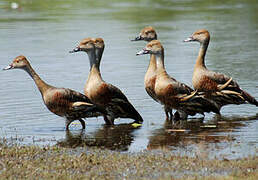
pixel 108 120
pixel 176 117
pixel 67 123
pixel 82 123
pixel 169 114
pixel 180 115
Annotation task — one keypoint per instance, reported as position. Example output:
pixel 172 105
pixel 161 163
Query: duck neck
pixel 94 65
pixel 94 72
pixel 152 64
pixel 160 62
pixel 42 86
pixel 99 53
pixel 200 62
pixel 92 58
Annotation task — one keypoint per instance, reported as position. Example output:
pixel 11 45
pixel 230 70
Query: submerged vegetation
pixel 28 162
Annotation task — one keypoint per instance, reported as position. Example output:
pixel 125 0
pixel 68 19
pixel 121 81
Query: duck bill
pixel 189 39
pixel 8 67
pixel 138 38
pixel 77 49
pixel 142 52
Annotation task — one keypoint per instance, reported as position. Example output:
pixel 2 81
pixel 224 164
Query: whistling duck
pixel 63 102
pixel 173 94
pixel 148 34
pixel 216 86
pixel 106 95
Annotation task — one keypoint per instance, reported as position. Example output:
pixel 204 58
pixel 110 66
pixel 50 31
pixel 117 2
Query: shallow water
pixel 44 31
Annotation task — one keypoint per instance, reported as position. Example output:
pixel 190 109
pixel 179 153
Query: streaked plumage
pixel 148 34
pixel 61 101
pixel 173 94
pixel 105 95
pixel 211 83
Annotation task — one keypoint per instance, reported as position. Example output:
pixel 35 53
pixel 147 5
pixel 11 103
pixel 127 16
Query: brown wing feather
pixel 170 96
pixel 56 102
pixel 182 88
pixel 207 84
pixel 60 101
pixel 116 93
pixel 71 95
pixel 101 95
pixel 120 100
pixel 224 99
pixel 221 79
pixel 195 104
pixel 116 103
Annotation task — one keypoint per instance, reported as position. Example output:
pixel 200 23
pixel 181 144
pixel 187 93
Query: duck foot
pixel 108 121
pixel 169 114
pixel 179 115
pixel 176 116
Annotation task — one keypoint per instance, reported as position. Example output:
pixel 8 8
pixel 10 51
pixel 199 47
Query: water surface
pixel 44 31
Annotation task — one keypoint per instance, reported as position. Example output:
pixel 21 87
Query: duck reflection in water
pixel 117 137
pixel 183 133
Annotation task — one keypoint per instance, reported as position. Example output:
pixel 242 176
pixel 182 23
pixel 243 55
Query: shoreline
pixel 55 162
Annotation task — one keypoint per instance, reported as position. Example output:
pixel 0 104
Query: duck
pixel 216 86
pixel 63 102
pixel 148 34
pixel 106 95
pixel 173 94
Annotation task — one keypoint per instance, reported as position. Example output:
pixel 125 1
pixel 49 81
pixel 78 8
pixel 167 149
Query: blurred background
pixel 46 30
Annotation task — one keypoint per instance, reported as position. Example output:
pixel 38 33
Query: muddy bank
pixel 28 162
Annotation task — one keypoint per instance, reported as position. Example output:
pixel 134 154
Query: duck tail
pixel 98 109
pixel 85 111
pixel 249 98
pixel 94 111
pixel 210 106
pixel 138 118
pixel 200 104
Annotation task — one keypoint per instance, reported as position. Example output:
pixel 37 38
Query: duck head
pixel 85 45
pixel 147 34
pixel 201 36
pixel 18 62
pixel 153 47
pixel 99 43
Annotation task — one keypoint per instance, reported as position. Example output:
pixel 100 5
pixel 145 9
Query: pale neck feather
pixel 152 64
pixel 200 62
pixel 94 72
pixel 94 66
pixel 160 63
